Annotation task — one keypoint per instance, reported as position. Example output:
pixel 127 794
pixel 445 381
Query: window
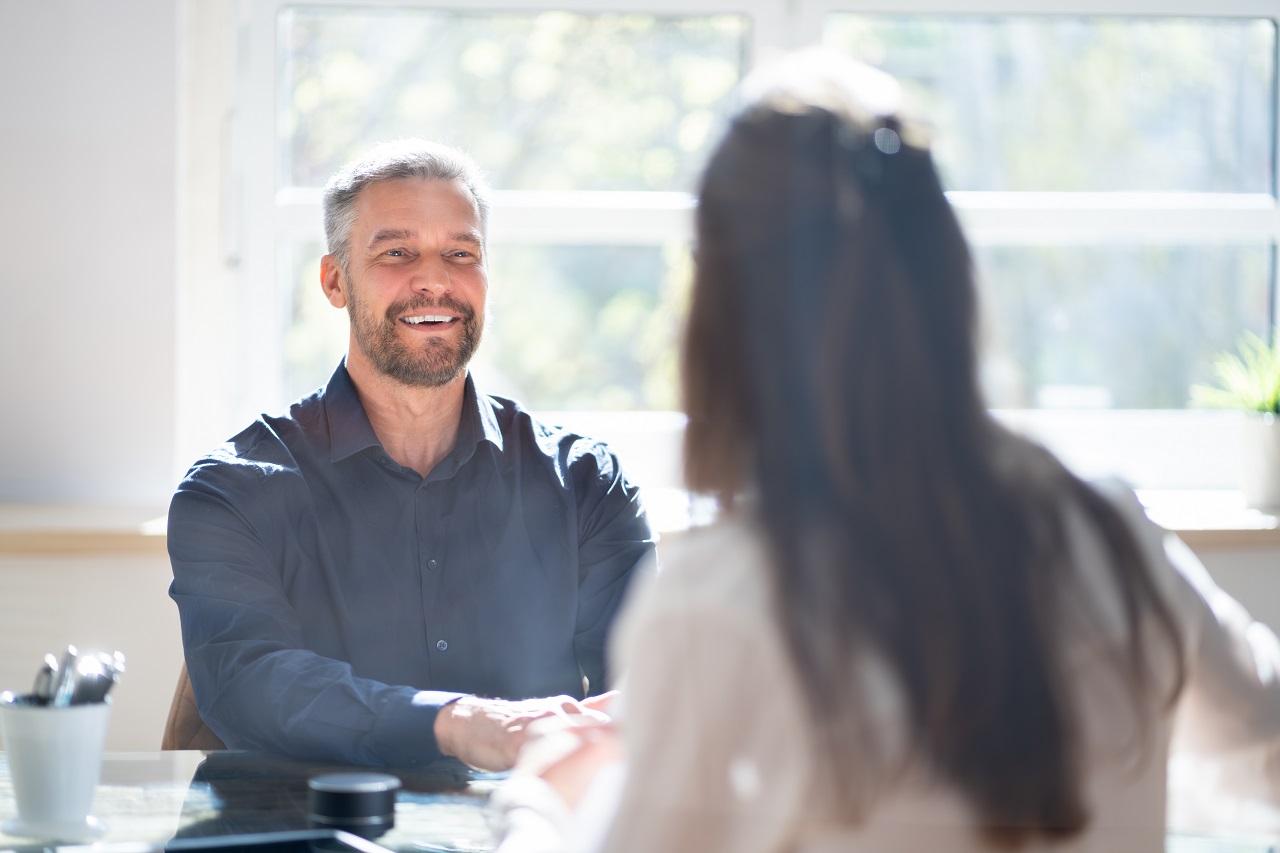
pixel 1114 166
pixel 546 100
pixel 1091 108
pixel 556 106
pixel 1081 104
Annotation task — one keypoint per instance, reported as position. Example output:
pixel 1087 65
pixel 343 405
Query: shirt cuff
pixel 529 816
pixel 405 731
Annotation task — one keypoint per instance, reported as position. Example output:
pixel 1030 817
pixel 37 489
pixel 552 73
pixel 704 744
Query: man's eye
pixel 396 253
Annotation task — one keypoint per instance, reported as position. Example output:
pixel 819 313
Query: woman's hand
pixel 598 745
pixel 568 752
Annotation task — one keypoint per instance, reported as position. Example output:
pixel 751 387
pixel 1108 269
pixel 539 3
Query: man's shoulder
pixel 559 444
pixel 254 451
pixel 266 448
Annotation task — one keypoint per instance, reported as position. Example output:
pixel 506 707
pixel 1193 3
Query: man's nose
pixel 432 276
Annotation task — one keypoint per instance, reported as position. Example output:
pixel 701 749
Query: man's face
pixel 415 281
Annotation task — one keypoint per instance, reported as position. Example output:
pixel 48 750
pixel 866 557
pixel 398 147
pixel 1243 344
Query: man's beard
pixel 434 362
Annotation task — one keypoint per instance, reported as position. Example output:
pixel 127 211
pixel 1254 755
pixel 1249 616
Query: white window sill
pixel 1212 519
pixel 58 530
pixel 1206 519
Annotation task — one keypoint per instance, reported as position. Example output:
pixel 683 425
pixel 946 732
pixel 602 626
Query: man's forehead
pixel 407 196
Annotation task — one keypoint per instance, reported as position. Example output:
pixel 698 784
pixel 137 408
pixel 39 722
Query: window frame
pixel 258 215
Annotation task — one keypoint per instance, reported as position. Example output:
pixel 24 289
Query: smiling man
pixel 401 567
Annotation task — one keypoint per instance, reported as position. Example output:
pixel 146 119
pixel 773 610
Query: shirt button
pixel 442 645
pixel 431 564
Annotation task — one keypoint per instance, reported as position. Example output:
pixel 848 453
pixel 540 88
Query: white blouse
pixel 720 751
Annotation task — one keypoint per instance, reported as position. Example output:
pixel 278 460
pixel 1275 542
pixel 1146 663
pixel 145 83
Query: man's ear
pixel 333 282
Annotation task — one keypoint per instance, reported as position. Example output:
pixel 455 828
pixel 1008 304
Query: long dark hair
pixel 829 365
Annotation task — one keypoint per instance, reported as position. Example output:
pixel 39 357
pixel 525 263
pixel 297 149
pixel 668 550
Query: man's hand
pixel 568 752
pixel 488 733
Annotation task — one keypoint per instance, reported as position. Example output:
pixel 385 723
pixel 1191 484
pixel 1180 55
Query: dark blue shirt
pixel 332 601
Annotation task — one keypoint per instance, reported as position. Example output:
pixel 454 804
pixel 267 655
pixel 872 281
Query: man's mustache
pixel 399 309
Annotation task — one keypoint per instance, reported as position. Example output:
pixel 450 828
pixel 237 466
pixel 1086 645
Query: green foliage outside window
pixel 1074 104
pixel 544 101
pixel 567 101
pixel 1083 104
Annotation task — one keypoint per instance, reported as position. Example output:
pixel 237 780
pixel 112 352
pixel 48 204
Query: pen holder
pixel 55 759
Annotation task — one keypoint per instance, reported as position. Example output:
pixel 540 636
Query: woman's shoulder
pixel 714 577
pixel 1158 549
pixel 726 562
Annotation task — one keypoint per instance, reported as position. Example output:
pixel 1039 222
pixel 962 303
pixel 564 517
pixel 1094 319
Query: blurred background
pixel 1114 164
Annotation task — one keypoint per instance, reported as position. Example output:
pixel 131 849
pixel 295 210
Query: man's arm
pixel 256 684
pixel 615 541
pixel 259 687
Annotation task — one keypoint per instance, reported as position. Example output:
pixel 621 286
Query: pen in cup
pixel 77 678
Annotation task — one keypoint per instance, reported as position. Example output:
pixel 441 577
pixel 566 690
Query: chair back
pixel 185 729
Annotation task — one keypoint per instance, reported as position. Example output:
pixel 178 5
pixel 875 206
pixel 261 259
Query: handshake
pixel 489 733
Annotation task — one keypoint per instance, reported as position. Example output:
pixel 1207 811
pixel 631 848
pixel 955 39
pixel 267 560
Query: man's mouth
pixel 429 320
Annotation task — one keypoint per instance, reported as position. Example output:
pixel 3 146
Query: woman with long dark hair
pixel 910 629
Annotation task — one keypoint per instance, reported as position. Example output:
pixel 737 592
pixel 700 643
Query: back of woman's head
pixel 834 298
pixel 829 365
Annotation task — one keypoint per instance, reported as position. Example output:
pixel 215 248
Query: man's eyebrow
pixel 387 235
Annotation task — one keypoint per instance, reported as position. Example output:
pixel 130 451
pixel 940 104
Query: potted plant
pixel 1249 381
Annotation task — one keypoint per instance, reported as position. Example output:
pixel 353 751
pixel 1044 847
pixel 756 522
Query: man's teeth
pixel 428 318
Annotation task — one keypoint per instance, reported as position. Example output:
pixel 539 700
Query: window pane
pixel 315 333
pixel 1083 104
pixel 585 327
pixel 546 101
pixel 1121 327
pixel 568 327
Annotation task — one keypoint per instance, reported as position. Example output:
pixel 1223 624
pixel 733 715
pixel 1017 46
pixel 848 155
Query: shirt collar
pixel 478 423
pixel 486 423
pixel 350 431
pixel 349 427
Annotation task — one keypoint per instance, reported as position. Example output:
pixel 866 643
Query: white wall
pixel 89 112
pixel 88 249
pixel 97 604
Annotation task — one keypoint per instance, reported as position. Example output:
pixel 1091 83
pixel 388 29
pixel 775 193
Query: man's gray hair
pixel 405 158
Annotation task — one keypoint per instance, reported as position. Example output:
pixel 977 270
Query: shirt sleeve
pixel 714 764
pixel 530 816
pixel 709 768
pixel 1231 698
pixel 255 683
pixel 614 541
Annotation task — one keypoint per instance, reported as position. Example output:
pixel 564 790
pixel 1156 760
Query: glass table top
pixel 156 796
pixel 153 797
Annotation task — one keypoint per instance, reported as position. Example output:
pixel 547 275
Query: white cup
pixel 55 759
